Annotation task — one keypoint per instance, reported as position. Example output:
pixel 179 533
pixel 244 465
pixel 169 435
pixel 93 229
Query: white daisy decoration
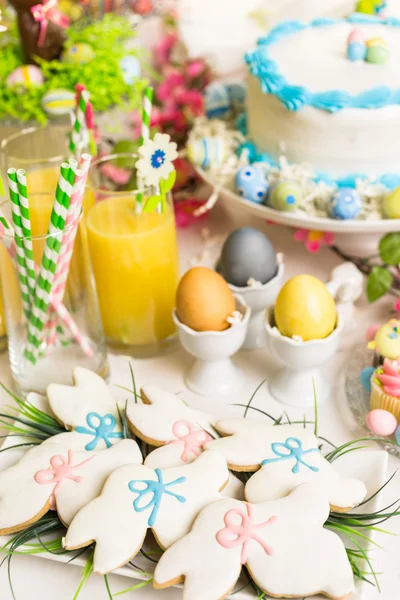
pixel 157 158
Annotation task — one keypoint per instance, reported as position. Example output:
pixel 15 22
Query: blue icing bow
pixel 156 489
pixel 102 428
pixel 291 449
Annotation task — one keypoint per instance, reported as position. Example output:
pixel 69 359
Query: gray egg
pixel 247 253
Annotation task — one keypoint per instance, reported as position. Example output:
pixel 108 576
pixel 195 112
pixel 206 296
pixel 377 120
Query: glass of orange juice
pixel 134 257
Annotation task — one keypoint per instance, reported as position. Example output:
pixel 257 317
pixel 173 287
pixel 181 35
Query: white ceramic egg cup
pixel 293 384
pixel 213 372
pixel 258 299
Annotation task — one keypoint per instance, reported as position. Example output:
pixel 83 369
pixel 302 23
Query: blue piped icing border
pixel 295 97
pixel 390 180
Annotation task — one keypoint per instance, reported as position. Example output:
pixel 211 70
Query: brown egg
pixel 204 300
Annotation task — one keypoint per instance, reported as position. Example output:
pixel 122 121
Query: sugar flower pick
pixel 156 159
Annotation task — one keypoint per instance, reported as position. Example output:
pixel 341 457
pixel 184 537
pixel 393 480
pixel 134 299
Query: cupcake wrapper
pixel 381 400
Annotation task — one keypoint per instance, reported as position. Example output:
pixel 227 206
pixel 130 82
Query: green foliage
pixel 379 282
pixel 102 76
pixel 389 249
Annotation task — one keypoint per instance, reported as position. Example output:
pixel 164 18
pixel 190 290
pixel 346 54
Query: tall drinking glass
pixel 134 257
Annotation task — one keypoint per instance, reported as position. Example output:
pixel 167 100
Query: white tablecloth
pixel 38 579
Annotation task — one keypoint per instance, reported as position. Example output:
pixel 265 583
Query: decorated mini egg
pixel 252 184
pixel 345 204
pixel 356 35
pixel 247 254
pixel 131 69
pixel 78 54
pixel 58 102
pixel 356 51
pixel 381 422
pixel 236 92
pixel 207 152
pixel 26 76
pixel 204 300
pixel 216 100
pixel 377 55
pixel 285 196
pixel 387 340
pixel 391 204
pixel 305 309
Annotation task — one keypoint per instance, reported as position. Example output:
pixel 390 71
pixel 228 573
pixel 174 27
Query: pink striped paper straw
pixel 66 251
pixel 73 328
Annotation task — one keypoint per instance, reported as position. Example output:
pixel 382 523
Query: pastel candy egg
pixel 356 51
pixel 236 92
pixel 376 41
pixel 285 196
pixel 377 55
pixel 216 100
pixel 391 204
pixel 207 152
pixel 356 35
pixel 27 76
pixel 398 435
pixel 131 69
pixel 58 102
pixel 78 54
pixel 381 422
pixel 247 254
pixel 345 204
pixel 251 184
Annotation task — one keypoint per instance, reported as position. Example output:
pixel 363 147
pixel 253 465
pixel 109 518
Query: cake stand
pixel 354 238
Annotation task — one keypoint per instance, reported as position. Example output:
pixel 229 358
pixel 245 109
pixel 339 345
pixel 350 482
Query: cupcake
pixel 385 388
pixel 385 341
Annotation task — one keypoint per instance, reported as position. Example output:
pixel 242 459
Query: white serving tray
pixel 369 466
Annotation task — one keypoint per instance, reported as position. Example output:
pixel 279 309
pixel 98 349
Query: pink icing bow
pixel 192 439
pixel 61 469
pixel 45 12
pixel 390 378
pixel 234 535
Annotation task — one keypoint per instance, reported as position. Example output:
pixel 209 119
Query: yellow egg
pixel 387 340
pixel 204 300
pixel 305 308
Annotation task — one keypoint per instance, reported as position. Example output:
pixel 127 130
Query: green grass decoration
pixel 86 573
pixel 102 76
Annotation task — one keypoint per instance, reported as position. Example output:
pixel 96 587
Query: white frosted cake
pixel 223 30
pixel 339 116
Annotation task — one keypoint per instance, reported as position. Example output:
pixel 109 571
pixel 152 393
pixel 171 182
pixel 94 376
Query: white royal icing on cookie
pixel 56 475
pixel 283 543
pixel 87 408
pixel 169 422
pixel 288 455
pixel 136 498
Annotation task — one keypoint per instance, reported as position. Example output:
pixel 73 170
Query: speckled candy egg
pixel 236 92
pixel 252 184
pixel 247 253
pixel 78 54
pixel 204 300
pixel 345 204
pixel 381 422
pixel 391 204
pixel 27 76
pixel 58 102
pixel 207 152
pixel 216 100
pixel 305 309
pixel 285 196
pixel 387 340
pixel 131 69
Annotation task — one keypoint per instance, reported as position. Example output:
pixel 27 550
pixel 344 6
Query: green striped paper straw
pixel 40 308
pixel 26 230
pixel 21 263
pixel 76 141
pixel 147 108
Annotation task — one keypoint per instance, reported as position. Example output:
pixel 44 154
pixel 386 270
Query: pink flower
pixel 191 99
pixel 195 68
pixel 397 306
pixel 184 210
pixel 314 240
pixel 163 50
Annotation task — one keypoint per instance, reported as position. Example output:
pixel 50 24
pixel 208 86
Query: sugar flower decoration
pixel 157 158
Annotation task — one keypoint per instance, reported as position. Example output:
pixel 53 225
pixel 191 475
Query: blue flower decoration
pixel 158 159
